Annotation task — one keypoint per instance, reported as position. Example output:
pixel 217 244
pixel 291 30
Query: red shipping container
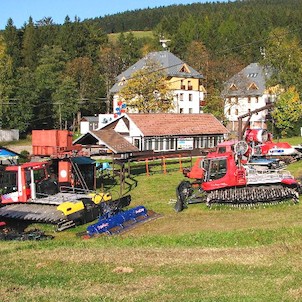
pixel 52 142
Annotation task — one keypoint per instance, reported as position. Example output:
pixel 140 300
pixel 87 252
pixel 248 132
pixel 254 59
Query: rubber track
pixel 252 195
pixel 33 212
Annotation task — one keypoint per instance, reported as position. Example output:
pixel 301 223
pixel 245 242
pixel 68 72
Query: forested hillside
pixel 50 72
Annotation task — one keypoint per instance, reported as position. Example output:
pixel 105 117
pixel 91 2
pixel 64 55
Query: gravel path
pixel 20 148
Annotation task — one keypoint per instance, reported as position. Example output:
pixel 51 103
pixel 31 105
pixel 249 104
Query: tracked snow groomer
pixel 29 194
pixel 57 188
pixel 223 178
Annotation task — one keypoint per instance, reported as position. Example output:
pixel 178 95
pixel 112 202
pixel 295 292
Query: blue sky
pixel 21 10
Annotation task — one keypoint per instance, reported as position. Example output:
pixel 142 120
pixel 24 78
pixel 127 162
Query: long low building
pixel 159 132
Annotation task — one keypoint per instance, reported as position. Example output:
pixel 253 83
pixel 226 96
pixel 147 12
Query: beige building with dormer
pixel 184 82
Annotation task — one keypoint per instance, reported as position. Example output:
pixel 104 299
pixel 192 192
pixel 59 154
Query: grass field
pixel 200 254
pixel 137 34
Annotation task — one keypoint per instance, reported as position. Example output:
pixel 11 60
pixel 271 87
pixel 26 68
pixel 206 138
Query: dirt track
pixel 20 148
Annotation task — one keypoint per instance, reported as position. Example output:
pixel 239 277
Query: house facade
pixel 92 123
pixel 184 82
pixel 159 132
pixel 247 91
pixel 88 123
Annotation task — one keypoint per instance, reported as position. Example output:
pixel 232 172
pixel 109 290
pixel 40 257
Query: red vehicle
pixel 55 189
pixel 30 194
pixel 18 181
pixel 222 178
pixel 262 144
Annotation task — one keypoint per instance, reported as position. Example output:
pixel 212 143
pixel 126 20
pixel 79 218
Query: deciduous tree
pixel 287 111
pixel 147 90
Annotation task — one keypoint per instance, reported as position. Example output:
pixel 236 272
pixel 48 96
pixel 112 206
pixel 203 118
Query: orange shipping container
pixel 51 142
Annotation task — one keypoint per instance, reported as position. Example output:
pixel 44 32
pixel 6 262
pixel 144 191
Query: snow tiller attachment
pixel 120 222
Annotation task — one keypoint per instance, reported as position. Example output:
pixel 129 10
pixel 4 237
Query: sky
pixel 21 10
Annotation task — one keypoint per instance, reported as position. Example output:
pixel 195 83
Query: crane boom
pixel 249 114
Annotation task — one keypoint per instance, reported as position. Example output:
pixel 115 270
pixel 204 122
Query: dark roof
pixel 250 81
pixel 161 124
pixel 94 119
pixel 8 154
pixel 171 64
pixel 113 140
pixel 82 160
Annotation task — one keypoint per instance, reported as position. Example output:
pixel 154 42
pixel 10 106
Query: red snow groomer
pixel 222 178
pixel 262 144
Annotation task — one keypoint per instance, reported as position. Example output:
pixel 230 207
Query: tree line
pixel 49 72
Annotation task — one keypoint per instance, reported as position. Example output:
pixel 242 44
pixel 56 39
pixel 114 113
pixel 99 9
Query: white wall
pixel 236 107
pixel 179 106
pixel 84 127
pixel 9 135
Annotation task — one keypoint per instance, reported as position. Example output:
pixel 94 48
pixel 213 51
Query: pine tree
pixel 30 45
pixel 12 44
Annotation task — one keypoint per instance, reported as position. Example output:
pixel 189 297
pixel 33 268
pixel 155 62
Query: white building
pixel 246 91
pixel 95 122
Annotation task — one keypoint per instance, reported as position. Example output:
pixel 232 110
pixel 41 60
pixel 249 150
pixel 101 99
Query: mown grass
pixel 201 254
pixel 137 34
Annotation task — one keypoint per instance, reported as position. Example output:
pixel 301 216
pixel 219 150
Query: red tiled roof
pixel 177 124
pixel 114 141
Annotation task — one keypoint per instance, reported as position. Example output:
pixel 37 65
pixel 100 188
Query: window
pixel 217 168
pixel 181 96
pixel 190 110
pixel 253 86
pixel 211 142
pixel 252 75
pixel 169 144
pixel 233 87
pixel 236 111
pixel 161 144
pixel 249 99
pixel 137 143
pixel 190 87
pixel 182 85
pixel 172 144
pixel 9 182
pixel 156 145
pixel 181 110
pixel 229 111
pixel 184 68
pixel 190 97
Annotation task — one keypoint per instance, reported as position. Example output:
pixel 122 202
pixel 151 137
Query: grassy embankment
pixel 136 33
pixel 201 254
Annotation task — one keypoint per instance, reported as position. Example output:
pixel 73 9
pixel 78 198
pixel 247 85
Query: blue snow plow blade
pixel 119 221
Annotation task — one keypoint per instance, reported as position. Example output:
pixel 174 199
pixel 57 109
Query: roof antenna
pixel 164 42
pixel 262 52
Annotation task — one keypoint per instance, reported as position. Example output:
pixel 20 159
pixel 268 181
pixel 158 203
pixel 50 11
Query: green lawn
pixel 137 34
pixel 201 254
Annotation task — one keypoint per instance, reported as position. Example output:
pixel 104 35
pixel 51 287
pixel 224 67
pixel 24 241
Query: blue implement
pixel 118 222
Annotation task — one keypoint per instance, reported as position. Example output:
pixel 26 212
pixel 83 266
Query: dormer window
pixel 122 82
pixel 184 68
pixel 253 86
pixel 233 87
